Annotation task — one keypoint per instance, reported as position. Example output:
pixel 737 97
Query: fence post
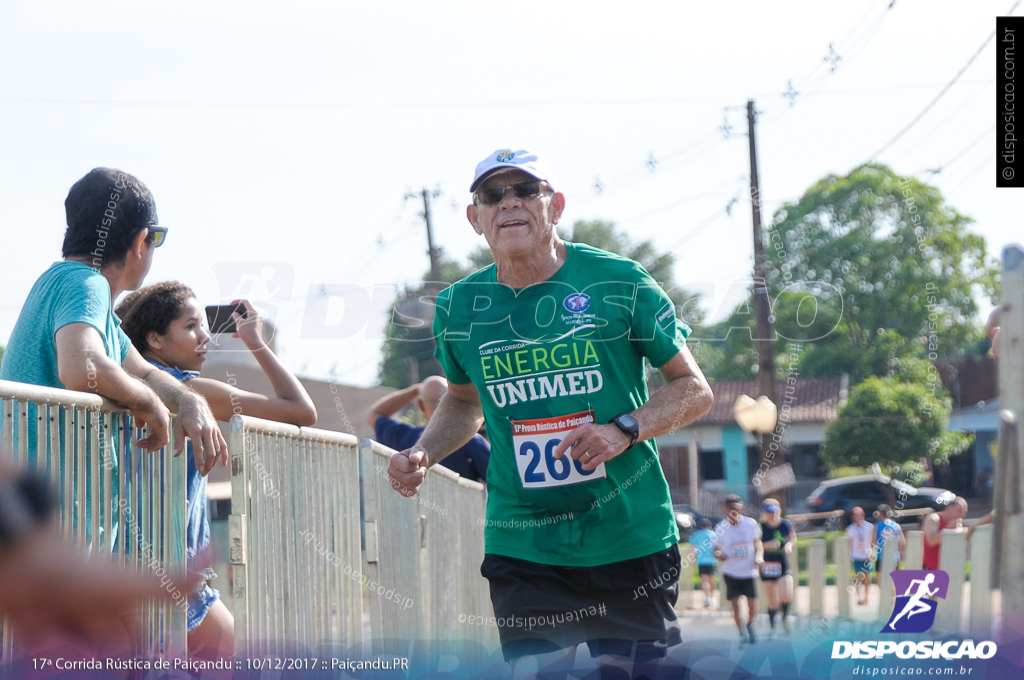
pixel 915 550
pixel 474 600
pixel 890 553
pixel 238 542
pixel 1012 579
pixel 953 561
pixel 394 520
pixel 1009 513
pixel 844 570
pixel 981 584
pixel 688 558
pixel 440 553
pixel 816 576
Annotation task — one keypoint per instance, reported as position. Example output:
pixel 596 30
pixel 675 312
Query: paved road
pixel 703 624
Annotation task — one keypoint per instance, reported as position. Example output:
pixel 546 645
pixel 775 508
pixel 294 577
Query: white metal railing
pixel 300 578
pixel 113 497
pixel 294 539
pixel 425 552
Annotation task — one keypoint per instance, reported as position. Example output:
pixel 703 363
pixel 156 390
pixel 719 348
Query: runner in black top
pixel 779 540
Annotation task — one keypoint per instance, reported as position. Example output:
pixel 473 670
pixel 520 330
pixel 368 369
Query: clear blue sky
pixel 281 140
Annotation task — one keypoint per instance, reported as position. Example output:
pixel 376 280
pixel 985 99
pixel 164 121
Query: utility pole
pixel 414 306
pixel 432 251
pixel 762 306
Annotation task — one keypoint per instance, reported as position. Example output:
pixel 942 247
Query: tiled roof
pixel 810 400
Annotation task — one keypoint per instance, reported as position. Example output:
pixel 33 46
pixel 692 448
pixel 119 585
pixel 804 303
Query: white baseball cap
pixel 504 159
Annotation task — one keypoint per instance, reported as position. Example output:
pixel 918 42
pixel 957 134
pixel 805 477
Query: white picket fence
pixel 113 498
pixel 965 610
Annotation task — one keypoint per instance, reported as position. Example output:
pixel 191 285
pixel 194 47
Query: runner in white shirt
pixel 738 548
pixel 862 549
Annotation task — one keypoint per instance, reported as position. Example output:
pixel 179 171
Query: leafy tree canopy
pixel 891 254
pixel 864 270
pixel 408 352
pixel 894 419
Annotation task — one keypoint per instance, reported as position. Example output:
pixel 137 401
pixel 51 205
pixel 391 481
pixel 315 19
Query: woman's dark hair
pixel 152 308
pixel 105 210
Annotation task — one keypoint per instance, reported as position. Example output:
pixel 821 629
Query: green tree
pixel 881 263
pixel 894 419
pixel 890 253
pixel 800 319
pixel 408 352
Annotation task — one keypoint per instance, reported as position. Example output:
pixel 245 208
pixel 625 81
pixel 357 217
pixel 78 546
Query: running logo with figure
pixel 915 609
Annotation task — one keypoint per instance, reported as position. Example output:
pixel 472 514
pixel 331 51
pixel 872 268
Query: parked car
pixel 870 491
pixel 688 520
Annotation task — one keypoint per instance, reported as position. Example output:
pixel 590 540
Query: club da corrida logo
pixel 914 612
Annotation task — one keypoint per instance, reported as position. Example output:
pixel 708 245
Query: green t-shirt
pixel 545 359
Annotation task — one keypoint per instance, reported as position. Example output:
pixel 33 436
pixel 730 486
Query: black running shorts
pixel 541 608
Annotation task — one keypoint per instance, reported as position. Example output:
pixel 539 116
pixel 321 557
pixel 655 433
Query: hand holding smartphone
pixel 219 318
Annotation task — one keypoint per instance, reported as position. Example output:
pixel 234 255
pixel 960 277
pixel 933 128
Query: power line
pixel 849 49
pixel 689 152
pixel 724 210
pixel 980 138
pixel 362 260
pixel 852 45
pixel 673 204
pixel 971 176
pixel 854 50
pixel 939 96
pixel 969 100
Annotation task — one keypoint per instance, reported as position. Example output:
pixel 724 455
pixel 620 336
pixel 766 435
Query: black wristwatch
pixel 629 426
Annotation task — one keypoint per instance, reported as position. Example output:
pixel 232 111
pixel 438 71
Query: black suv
pixel 870 491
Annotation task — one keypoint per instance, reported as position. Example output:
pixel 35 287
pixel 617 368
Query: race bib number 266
pixel 535 442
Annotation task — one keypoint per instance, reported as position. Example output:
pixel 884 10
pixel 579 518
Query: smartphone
pixel 219 318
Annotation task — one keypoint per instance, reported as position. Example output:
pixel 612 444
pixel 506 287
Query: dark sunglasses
pixel 493 195
pixel 159 235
